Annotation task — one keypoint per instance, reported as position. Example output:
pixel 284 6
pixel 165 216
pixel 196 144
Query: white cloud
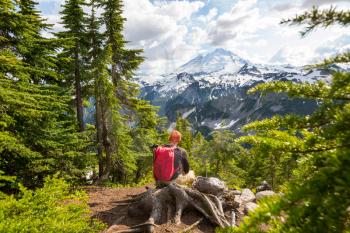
pixel 198 36
pixel 178 10
pixel 332 47
pixel 172 32
pixel 162 30
pixel 310 3
pixel 207 18
pixel 295 56
pixel 239 22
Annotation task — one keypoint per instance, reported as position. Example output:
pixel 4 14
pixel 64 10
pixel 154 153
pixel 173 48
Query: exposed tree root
pixel 169 203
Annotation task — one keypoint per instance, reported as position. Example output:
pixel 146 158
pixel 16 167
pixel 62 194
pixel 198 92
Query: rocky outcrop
pixel 209 185
pixel 247 196
pixel 263 194
pixel 263 186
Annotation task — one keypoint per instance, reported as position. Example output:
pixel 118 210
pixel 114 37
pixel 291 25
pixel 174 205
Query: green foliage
pixel 52 208
pixel 74 52
pixel 131 125
pixel 38 135
pixel 184 126
pixel 320 18
pixel 317 196
pixel 219 157
pixel 226 158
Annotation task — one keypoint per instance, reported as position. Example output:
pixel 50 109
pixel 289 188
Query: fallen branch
pixel 192 226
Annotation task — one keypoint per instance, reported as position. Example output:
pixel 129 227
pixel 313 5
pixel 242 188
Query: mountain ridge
pixel 217 93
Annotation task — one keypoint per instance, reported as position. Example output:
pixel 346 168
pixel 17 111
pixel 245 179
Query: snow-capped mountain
pixel 210 90
pixel 218 61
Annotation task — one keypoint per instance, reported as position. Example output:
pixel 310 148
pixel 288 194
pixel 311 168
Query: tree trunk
pixel 98 122
pixel 107 146
pixel 78 92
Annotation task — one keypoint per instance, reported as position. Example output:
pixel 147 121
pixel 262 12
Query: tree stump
pixel 170 201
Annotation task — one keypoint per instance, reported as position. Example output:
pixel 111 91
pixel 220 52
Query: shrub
pixel 53 208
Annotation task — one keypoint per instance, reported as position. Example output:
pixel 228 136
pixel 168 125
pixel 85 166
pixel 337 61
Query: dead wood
pixel 169 203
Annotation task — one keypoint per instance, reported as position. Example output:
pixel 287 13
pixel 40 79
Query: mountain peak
pixel 215 61
pixel 222 52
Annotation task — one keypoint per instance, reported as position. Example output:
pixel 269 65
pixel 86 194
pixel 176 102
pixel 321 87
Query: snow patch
pixel 276 108
pixel 172 127
pixel 186 114
pixel 221 126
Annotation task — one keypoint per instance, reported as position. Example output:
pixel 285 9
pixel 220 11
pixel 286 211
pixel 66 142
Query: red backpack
pixel 163 163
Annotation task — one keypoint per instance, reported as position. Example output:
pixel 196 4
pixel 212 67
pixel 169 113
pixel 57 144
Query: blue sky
pixel 173 31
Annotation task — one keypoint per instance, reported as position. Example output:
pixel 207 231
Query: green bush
pixel 53 208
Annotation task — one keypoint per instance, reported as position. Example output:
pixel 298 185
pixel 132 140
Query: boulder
pixel 249 207
pixel 263 194
pixel 209 185
pixel 247 196
pixel 235 192
pixel 263 186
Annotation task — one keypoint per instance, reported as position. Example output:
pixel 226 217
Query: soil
pixel 108 205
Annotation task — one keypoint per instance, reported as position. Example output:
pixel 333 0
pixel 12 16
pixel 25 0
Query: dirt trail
pixel 105 204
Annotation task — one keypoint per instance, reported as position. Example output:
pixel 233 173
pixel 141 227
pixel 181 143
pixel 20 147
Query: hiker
pixel 169 161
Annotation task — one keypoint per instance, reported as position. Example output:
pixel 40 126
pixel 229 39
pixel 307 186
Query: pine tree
pixel 123 64
pixel 37 136
pixel 36 51
pixel 74 21
pixel 95 40
pixel 225 158
pixel 184 126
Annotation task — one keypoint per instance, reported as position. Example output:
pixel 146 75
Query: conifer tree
pixel 225 158
pixel 95 40
pixel 36 51
pixel 123 63
pixel 38 135
pixel 74 21
pixel 184 126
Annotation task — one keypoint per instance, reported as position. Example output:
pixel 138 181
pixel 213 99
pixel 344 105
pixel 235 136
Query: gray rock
pixel 247 195
pixel 235 192
pixel 250 207
pixel 263 194
pixel 263 186
pixel 209 185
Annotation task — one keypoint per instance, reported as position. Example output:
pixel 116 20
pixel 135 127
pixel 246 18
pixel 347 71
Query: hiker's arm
pixel 153 148
pixel 184 161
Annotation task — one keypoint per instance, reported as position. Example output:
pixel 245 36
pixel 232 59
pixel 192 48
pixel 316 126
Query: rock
pixel 229 199
pixel 247 195
pixel 263 186
pixel 235 192
pixel 263 194
pixel 249 207
pixel 209 185
pixel 238 200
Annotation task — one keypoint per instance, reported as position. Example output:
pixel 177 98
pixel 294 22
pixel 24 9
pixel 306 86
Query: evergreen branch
pixel 319 18
pixel 319 90
pixel 316 150
pixel 340 58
